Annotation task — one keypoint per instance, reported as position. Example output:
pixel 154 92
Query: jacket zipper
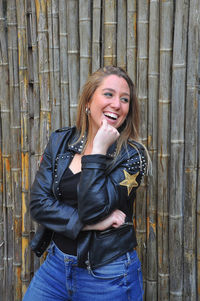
pixel 87 262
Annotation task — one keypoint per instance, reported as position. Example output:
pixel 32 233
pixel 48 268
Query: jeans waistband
pixel 67 257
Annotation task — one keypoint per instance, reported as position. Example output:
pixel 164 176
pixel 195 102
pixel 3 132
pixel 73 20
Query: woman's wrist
pixel 98 151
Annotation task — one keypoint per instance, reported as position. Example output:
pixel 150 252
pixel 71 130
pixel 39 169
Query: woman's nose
pixel 116 103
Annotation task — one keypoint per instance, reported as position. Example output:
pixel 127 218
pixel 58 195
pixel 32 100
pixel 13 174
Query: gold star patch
pixel 130 181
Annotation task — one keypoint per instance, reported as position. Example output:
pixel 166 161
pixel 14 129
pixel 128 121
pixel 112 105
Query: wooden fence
pixel 47 50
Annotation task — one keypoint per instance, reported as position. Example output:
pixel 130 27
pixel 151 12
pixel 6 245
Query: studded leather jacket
pixel 105 184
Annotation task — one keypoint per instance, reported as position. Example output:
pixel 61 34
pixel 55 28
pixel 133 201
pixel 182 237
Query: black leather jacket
pixel 105 185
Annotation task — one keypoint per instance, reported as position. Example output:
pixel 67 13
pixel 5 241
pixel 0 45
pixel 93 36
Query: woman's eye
pixel 124 99
pixel 108 94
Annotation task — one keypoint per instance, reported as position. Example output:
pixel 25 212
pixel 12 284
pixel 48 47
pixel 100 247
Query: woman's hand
pixel 115 219
pixel 105 137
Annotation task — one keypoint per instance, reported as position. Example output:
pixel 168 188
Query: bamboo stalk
pixel 153 84
pixel 121 33
pixel 132 39
pixel 143 24
pixel 43 60
pixel 166 37
pixel 44 74
pixel 7 246
pixel 177 152
pixel 198 189
pixel 2 243
pixel 23 88
pixel 109 32
pixel 34 108
pixel 64 78
pixel 73 56
pixel 34 86
pixel 54 63
pixel 15 142
pixel 85 31
pixel 142 94
pixel 198 198
pixel 96 35
pixel 191 155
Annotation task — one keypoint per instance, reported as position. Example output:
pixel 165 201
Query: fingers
pixel 104 122
pixel 118 218
pixel 105 136
pixel 109 130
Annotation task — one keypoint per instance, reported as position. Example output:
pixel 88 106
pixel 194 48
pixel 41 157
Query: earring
pixel 87 111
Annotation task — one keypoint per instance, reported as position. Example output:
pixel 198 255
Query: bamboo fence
pixel 47 50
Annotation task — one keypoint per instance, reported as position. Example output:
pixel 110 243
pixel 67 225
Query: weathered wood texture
pixel 47 50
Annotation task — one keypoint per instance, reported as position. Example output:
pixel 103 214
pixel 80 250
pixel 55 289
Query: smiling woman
pixel 96 82
pixel 87 201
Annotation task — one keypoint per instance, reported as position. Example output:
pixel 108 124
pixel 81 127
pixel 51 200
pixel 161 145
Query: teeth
pixel 112 115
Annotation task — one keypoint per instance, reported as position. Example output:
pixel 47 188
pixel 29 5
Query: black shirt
pixel 68 189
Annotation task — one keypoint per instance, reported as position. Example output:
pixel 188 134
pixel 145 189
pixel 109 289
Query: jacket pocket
pixel 112 231
pixel 108 245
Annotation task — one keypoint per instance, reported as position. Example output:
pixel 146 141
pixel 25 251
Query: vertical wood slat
pixel 23 89
pixel 54 63
pixel 191 156
pixel 177 152
pixel 121 33
pixel 198 189
pixel 142 93
pixel 85 31
pixel 132 39
pixel 34 110
pixel 109 32
pixel 73 56
pixel 166 36
pixel 64 78
pixel 7 202
pixel 153 84
pixel 15 126
pixel 96 35
pixel 2 272
pixel 43 70
pixel 198 179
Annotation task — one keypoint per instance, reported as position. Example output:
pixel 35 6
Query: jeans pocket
pixel 115 269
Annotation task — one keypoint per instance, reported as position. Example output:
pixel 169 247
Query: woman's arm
pixel 45 208
pixel 99 193
pixel 115 219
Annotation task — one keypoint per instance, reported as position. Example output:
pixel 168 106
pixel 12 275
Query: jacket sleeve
pixel 100 192
pixel 45 208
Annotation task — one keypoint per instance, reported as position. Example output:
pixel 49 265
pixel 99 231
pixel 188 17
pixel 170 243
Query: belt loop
pixel 128 257
pixel 53 249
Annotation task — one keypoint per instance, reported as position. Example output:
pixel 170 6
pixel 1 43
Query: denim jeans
pixel 59 278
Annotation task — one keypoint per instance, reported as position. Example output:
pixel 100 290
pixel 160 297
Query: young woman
pixel 83 197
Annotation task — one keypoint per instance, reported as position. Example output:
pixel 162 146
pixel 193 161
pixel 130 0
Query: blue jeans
pixel 59 278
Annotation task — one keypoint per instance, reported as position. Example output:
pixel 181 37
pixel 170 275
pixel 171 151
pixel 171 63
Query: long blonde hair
pixel 130 127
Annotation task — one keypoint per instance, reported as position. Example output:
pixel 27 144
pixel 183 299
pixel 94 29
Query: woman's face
pixel 110 101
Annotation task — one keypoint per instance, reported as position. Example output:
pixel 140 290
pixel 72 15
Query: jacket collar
pixel 77 147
